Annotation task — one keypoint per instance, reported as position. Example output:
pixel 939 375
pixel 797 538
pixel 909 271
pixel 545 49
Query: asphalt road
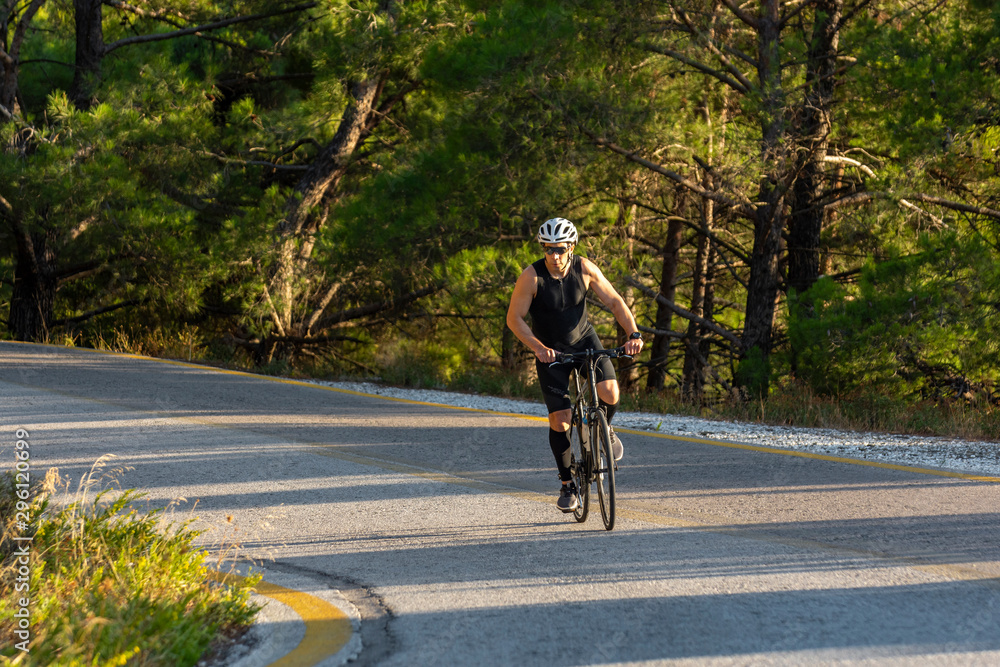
pixel 440 523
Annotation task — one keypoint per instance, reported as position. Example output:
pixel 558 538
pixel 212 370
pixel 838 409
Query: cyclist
pixel 553 291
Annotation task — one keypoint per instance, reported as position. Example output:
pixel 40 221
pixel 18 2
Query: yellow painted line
pixel 328 629
pixel 652 434
pixel 664 436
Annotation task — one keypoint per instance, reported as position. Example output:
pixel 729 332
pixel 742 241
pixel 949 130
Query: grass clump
pixel 112 586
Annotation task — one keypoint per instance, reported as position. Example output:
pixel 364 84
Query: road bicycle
pixel 591 464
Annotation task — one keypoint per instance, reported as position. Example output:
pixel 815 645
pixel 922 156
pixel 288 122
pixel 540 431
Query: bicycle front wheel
pixel 581 465
pixel 605 473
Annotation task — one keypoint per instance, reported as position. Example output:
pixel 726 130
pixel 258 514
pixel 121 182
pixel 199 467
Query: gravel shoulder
pixel 974 457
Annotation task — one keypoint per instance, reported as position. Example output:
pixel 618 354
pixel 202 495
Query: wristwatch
pixel 636 335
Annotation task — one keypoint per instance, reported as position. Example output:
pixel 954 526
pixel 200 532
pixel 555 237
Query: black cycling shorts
pixel 554 380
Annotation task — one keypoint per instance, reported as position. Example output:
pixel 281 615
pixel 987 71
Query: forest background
pixel 799 200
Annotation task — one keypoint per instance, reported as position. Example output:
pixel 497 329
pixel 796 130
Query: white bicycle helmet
pixel 557 230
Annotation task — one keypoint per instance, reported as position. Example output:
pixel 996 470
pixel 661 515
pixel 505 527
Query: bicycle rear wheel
pixel 605 473
pixel 581 465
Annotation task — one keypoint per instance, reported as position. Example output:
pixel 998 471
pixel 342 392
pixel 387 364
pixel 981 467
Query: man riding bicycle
pixel 553 291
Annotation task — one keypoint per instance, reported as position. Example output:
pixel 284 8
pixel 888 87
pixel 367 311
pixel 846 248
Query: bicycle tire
pixel 604 475
pixel 580 466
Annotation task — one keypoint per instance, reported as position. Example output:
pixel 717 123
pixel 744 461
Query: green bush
pixel 111 586
pixel 753 374
pixel 919 325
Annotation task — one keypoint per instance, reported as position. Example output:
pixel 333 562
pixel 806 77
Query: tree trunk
pixel 693 378
pixel 8 90
pixel 695 351
pixel 705 343
pixel 89 51
pixel 10 56
pixel 306 212
pixel 762 289
pixel 34 286
pixel 806 218
pixel 660 347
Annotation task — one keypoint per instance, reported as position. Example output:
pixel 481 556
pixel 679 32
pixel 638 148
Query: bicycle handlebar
pixel 613 353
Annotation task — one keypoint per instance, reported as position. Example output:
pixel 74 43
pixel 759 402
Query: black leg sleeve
pixel 559 442
pixel 609 409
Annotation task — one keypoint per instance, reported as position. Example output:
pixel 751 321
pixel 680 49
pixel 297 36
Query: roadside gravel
pixel 946 453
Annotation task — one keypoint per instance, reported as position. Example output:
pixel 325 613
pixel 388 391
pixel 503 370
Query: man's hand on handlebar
pixel 633 347
pixel 546 355
pixel 568 357
pixel 622 352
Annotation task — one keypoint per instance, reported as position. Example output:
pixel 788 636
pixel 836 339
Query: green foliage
pixel 109 586
pixel 166 197
pixel 422 364
pixel 921 71
pixel 922 324
pixel 753 374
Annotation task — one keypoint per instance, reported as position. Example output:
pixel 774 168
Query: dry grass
pixel 111 586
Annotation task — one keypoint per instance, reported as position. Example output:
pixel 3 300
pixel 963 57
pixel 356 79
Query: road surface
pixel 440 524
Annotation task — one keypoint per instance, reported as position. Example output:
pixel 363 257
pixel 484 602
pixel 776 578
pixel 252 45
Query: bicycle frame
pixel 585 404
pixel 588 423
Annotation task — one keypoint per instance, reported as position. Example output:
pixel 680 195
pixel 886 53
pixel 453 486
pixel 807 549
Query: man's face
pixel 557 255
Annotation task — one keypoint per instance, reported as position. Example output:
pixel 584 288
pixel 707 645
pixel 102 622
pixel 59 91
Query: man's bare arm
pixel 610 297
pixel 520 302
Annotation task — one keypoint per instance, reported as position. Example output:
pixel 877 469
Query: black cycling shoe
pixel 616 445
pixel 567 498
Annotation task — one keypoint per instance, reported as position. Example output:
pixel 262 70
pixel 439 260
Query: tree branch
pixel 313 340
pixel 661 332
pixel 78 271
pixel 746 208
pixel 742 87
pixel 47 60
pixel 274 311
pixel 742 15
pixel 709 42
pixel 203 28
pixel 379 306
pixel 937 221
pixel 795 10
pixel 836 159
pixel 687 314
pixel 255 163
pixel 740 254
pixel 96 312
pixel 862 197
pixel 161 15
pixel 324 302
pixel 955 206
pixel 6 209
pixel 22 29
pixel 704 362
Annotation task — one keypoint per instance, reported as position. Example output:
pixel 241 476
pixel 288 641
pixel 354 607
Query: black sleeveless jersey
pixel 559 309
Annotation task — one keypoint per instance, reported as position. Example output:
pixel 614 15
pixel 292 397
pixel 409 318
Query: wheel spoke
pixel 605 473
pixel 579 468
